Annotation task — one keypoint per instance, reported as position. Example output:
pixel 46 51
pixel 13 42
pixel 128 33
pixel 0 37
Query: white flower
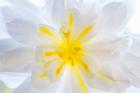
pixel 70 46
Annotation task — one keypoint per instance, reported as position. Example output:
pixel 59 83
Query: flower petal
pixel 7 44
pixel 22 9
pixel 56 10
pixel 16 60
pixel 65 84
pixel 25 32
pixel 22 19
pixel 114 22
pixel 2 27
pixel 131 60
pixel 119 88
pixel 15 82
pixel 4 88
pixel 119 58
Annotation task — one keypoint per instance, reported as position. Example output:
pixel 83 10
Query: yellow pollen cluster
pixel 70 51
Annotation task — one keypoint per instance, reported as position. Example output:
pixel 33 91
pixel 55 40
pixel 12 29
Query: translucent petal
pixel 14 82
pixel 7 44
pixel 19 59
pixel 113 23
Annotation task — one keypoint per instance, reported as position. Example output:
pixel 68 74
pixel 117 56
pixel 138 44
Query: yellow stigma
pixel 69 50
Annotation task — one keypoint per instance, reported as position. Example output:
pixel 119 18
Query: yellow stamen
pixel 69 52
pixel 46 31
pixel 59 69
pixel 43 75
pixel 85 32
pixel 67 35
pixel 50 53
pixel 80 79
pixel 104 77
pixel 70 21
pixel 86 68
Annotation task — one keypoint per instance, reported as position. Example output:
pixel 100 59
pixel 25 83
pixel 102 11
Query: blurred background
pixel 134 26
pixel 134 23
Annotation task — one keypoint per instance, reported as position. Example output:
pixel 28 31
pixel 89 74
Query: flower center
pixel 69 50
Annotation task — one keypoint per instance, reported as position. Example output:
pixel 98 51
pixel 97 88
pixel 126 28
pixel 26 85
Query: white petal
pixel 134 44
pixel 85 14
pixel 25 86
pixel 105 57
pixel 114 17
pixel 119 88
pixel 2 27
pixel 24 32
pixel 4 88
pixel 21 9
pixel 66 83
pixel 120 61
pixel 57 11
pixel 14 81
pixel 7 44
pixel 23 20
pixel 131 60
pixel 16 60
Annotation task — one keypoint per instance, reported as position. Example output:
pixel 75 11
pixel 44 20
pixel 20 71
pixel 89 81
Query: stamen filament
pixel 85 32
pixel 86 67
pixel 50 53
pixel 43 75
pixel 104 77
pixel 80 79
pixel 59 69
pixel 69 52
pixel 70 21
pixel 46 31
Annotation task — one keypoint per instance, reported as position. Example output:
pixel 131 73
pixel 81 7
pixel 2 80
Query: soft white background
pixel 134 26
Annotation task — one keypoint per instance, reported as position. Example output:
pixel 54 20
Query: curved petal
pixel 44 69
pixel 65 84
pixel 131 60
pixel 4 88
pixel 120 57
pixel 113 23
pixel 56 10
pixel 59 10
pixel 21 9
pixel 24 32
pixel 12 82
pixel 7 44
pixel 86 14
pixel 22 20
pixel 2 27
pixel 105 58
pixel 19 59
pixel 119 88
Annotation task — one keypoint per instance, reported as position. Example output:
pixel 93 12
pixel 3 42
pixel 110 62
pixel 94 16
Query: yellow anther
pixel 67 34
pixel 43 75
pixel 70 21
pixel 77 48
pixel 46 31
pixel 50 53
pixel 85 66
pixel 69 52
